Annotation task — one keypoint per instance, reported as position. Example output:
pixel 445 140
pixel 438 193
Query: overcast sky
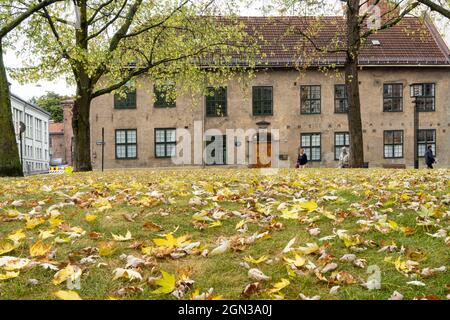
pixel 30 90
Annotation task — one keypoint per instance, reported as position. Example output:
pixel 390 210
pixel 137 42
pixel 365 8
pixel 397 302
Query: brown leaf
pixel 152 226
pixel 95 235
pixel 251 289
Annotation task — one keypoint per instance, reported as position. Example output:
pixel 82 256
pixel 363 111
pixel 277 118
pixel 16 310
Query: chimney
pixel 387 9
pixel 68 131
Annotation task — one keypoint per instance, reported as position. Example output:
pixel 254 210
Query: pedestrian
pixel 429 158
pixel 344 158
pixel 302 159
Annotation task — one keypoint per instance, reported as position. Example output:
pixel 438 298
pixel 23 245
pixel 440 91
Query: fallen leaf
pixel 67 295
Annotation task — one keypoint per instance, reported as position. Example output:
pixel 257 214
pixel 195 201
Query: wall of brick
pixel 286 116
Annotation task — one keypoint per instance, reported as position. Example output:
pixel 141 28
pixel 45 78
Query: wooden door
pixel 263 154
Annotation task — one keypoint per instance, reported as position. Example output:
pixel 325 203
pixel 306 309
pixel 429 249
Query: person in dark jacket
pixel 302 159
pixel 429 158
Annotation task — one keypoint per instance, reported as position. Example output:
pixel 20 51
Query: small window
pixel 340 98
pixel 311 142
pixel 126 144
pixel 216 102
pixel 310 99
pixel 393 97
pixel 164 96
pixel 425 138
pixel 341 139
pixel 165 143
pixel 425 97
pixel 393 144
pixel 126 102
pixel 376 42
pixel 262 101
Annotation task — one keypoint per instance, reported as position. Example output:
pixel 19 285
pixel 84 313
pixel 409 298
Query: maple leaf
pixel 166 283
pixel 9 275
pixel 40 249
pixel 298 261
pixel 129 274
pixel 310 248
pixel 7 245
pixel 170 241
pixel 250 259
pixel 122 238
pixel 283 283
pixel 70 272
pixel 67 295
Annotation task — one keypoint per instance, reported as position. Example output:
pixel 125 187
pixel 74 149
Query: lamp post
pixel 22 128
pixel 416 91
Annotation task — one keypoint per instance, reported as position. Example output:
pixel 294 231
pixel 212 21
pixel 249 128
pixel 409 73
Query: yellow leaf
pixel 122 238
pixel 283 283
pixel 310 248
pixel 33 222
pixel 170 241
pixel 67 295
pixel 106 249
pixel 69 272
pixel 298 261
pixel 166 283
pixel 309 206
pixel 289 214
pixel 240 224
pixel 129 274
pixel 55 221
pixel 40 249
pixel 9 275
pixel 393 224
pixel 350 241
pixel 17 235
pixel 215 224
pixel 45 234
pixel 255 261
pixel 7 245
pixel 329 215
pixel 90 217
pixel 12 213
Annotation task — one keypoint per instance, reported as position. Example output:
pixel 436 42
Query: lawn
pixel 226 234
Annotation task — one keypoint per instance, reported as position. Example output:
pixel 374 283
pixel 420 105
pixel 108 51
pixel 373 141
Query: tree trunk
pixel 9 154
pixel 352 82
pixel 81 107
pixel 81 132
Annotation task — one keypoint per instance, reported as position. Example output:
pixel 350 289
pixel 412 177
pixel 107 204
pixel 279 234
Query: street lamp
pixel 22 128
pixel 416 91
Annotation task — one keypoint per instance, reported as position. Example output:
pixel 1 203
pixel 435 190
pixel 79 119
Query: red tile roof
pixel 411 42
pixel 56 127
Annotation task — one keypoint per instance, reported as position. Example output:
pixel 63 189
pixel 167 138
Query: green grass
pixel 359 192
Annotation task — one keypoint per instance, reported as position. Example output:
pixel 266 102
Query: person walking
pixel 302 159
pixel 429 158
pixel 344 158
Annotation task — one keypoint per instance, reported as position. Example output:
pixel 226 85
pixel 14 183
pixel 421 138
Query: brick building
pixel 307 108
pixel 61 135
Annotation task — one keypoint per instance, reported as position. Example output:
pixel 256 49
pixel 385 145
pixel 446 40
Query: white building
pixel 35 139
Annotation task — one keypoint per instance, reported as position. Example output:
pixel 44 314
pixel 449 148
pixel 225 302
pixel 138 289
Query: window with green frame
pixel 163 96
pixel 126 144
pixel 165 142
pixel 311 143
pixel 216 102
pixel 262 100
pixel 393 144
pixel 310 99
pixel 127 101
pixel 425 138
